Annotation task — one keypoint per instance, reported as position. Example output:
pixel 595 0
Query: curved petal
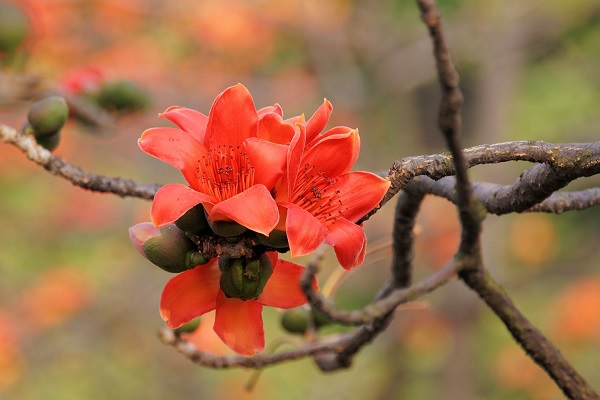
pixel 173 200
pixel 304 231
pixel 283 287
pixel 191 121
pixel 175 147
pixel 275 108
pixel 269 161
pixel 359 193
pixel 232 118
pixel 335 154
pixel 140 233
pixel 348 241
pixel 272 128
pixel 239 324
pixel 317 122
pixel 190 294
pixel 295 154
pixel 254 208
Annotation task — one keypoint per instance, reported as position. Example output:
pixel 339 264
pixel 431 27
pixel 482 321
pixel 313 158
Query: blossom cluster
pixel 276 184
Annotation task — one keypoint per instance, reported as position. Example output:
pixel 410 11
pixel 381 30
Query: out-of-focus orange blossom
pixel 577 310
pixel 514 370
pixel 58 294
pixel 205 339
pixel 532 239
pixel 425 331
pixel 10 353
pixel 439 231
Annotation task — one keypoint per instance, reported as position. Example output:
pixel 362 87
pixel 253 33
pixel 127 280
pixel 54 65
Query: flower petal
pixel 272 128
pixel 317 122
pixel 190 294
pixel 295 154
pixel 232 118
pixel 360 192
pixel 140 233
pixel 175 147
pixel 305 232
pixel 334 154
pixel 269 161
pixel 348 241
pixel 173 200
pixel 275 108
pixel 254 208
pixel 191 121
pixel 283 287
pixel 239 324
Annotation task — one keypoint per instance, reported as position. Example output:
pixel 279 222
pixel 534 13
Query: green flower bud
pixel 193 221
pixel 244 279
pixel 49 142
pixel 171 251
pixel 295 320
pixel 226 228
pixel 277 239
pixel 14 25
pixel 48 116
pixel 123 96
pixel 189 327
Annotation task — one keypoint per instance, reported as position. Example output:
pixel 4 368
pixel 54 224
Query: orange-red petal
pixel 283 287
pixel 191 121
pixel 239 324
pixel 334 154
pixel 254 208
pixel 304 231
pixel 175 147
pixel 269 160
pixel 275 108
pixel 272 128
pixel 317 122
pixel 232 118
pixel 190 294
pixel 348 241
pixel 360 192
pixel 295 154
pixel 172 201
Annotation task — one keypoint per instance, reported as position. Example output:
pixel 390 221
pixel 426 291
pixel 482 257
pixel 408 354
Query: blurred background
pixel 79 306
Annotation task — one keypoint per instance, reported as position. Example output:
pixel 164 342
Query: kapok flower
pixel 231 160
pixel 319 199
pixel 237 322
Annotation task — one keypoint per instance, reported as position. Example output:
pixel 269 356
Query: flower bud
pixel 297 320
pixel 244 279
pixel 277 239
pixel 49 142
pixel 14 25
pixel 122 96
pixel 48 116
pixel 193 221
pixel 166 247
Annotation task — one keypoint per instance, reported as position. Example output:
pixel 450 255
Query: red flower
pixel 237 322
pixel 319 199
pixel 231 160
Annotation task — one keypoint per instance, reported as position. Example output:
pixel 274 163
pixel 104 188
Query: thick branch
pixel 539 348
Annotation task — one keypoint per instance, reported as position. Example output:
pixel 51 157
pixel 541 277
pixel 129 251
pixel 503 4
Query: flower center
pixel 315 194
pixel 225 171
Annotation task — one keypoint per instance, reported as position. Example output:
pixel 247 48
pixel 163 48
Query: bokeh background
pixel 78 305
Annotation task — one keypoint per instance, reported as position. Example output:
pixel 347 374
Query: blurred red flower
pixel 237 322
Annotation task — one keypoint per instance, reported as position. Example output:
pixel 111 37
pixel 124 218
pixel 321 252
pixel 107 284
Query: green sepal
pixel 226 228
pixel 277 239
pixel 189 327
pixel 193 221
